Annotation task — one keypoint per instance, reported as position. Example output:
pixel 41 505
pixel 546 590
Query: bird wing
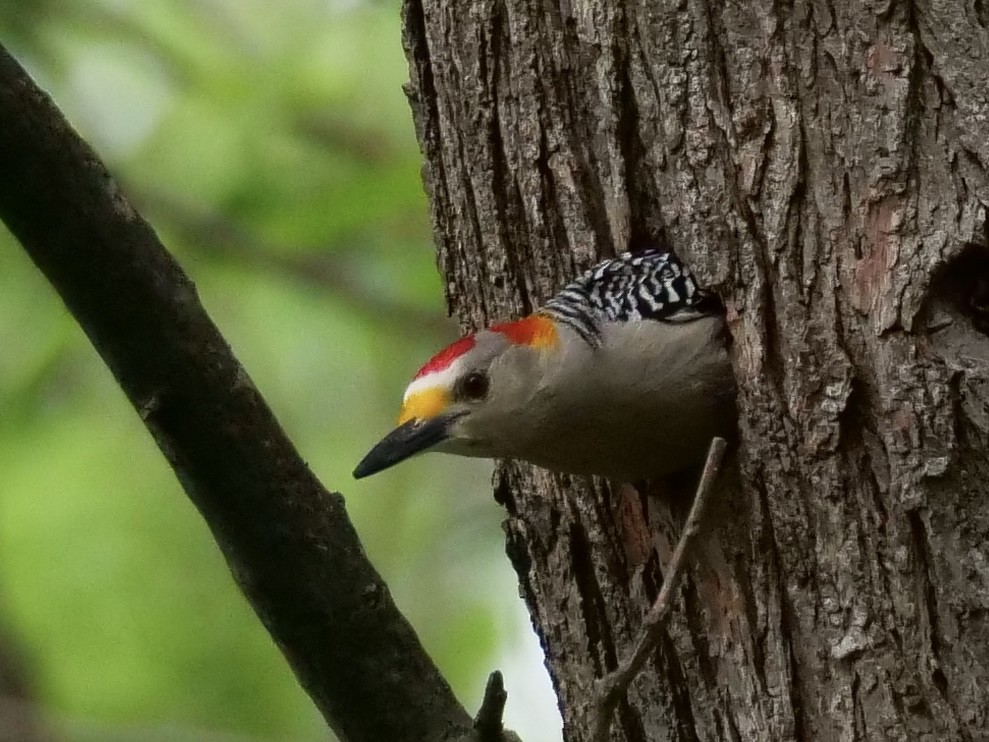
pixel 652 285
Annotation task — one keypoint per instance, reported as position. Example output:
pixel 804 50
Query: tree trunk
pixel 824 166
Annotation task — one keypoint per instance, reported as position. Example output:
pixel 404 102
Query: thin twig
pixel 612 687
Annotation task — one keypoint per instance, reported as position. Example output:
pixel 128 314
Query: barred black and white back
pixel 652 285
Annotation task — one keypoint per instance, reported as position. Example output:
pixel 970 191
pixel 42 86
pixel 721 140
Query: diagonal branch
pixel 286 539
pixel 612 687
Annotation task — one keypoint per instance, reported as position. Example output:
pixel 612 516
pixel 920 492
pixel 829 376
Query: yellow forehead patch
pixel 424 405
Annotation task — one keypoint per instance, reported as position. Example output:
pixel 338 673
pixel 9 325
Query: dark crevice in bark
pixel 873 535
pixel 504 493
pixel 652 579
pixel 879 504
pixel 814 55
pixel 556 530
pixel 858 714
pixel 631 723
pixel 696 622
pixel 668 662
pixel 929 603
pixel 721 84
pixel 424 101
pixel 643 216
pixel 422 95
pixel 517 551
pixel 556 229
pixel 580 135
pixel 788 631
pixel 481 313
pixel 645 224
pixel 927 598
pixel 920 70
pixel 897 699
pixel 796 208
pixel 981 13
pixel 602 502
pixel 853 427
pixel 509 207
pixel 592 604
pixel 727 727
pixel 742 578
pixel 958 416
pixel 773 356
pixel 508 203
pixel 789 625
pixel 846 212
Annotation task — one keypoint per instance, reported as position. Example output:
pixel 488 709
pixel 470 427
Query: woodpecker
pixel 625 373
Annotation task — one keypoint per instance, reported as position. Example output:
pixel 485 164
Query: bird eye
pixel 474 385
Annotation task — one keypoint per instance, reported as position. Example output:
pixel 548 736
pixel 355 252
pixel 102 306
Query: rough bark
pixel 823 165
pixel 287 540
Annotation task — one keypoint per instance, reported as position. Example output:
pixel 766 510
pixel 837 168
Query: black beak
pixel 404 441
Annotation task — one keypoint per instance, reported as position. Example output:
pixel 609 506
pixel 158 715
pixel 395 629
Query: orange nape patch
pixel 536 331
pixel 424 405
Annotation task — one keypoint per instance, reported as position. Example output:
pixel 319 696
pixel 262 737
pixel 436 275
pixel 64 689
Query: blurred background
pixel 272 148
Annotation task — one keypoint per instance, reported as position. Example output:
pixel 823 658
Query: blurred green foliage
pixel 271 147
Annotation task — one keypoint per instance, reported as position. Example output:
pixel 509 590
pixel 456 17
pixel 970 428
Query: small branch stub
pixel 612 687
pixel 488 726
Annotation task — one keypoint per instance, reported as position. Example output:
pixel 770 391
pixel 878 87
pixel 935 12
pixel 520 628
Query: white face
pixel 471 399
pixel 459 390
pixel 441 381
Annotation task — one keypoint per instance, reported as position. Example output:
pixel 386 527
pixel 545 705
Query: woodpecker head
pixel 458 402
